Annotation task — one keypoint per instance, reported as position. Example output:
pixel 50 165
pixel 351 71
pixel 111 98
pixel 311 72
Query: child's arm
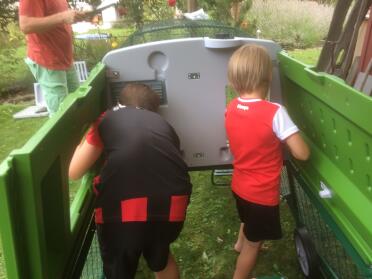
pixel 87 152
pixel 288 133
pixel 84 157
pixel 298 147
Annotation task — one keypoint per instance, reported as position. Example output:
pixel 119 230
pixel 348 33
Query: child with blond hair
pixel 256 129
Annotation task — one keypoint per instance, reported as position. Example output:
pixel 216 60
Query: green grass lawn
pixel 15 132
pixel 308 56
pixel 205 247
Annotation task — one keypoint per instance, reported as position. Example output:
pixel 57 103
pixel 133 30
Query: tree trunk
pixel 191 6
pixel 334 33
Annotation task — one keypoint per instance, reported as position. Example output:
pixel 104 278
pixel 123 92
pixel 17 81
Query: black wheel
pixel 307 256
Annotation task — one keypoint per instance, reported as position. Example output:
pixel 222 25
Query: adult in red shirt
pixel 256 129
pixel 47 25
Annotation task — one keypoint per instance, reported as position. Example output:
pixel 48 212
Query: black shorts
pixel 122 245
pixel 261 222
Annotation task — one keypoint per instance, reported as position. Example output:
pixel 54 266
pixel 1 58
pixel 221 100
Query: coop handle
pixel 325 192
pixel 222 43
pixel 317 77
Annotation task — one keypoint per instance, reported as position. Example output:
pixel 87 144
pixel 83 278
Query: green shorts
pixel 54 84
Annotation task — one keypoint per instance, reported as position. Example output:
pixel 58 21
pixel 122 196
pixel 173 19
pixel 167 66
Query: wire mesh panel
pixel 183 28
pixel 328 247
pixel 2 264
pixel 93 264
pixel 284 183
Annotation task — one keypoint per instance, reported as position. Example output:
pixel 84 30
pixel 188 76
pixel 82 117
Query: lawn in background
pixel 307 56
pixel 15 132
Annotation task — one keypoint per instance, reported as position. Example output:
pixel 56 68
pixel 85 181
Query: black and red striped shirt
pixel 144 177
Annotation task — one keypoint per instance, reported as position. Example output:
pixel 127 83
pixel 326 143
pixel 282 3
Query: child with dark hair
pixel 256 129
pixel 141 96
pixel 143 189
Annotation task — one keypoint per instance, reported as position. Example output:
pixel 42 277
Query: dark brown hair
pixel 139 95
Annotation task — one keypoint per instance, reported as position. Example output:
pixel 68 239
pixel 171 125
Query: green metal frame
pixel 38 227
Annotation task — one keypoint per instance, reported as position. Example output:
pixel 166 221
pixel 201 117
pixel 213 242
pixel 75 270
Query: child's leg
pixel 247 258
pixel 119 261
pixel 170 271
pixel 239 242
pixel 157 253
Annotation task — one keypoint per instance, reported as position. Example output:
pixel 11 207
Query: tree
pixel 191 5
pixel 8 13
pixel 135 11
pixel 93 3
pixel 138 11
pixel 157 10
pixel 229 11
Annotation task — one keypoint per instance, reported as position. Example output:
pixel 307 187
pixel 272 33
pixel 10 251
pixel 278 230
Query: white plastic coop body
pixel 190 75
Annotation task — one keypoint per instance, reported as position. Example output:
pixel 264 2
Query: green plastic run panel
pixel 41 234
pixel 336 122
pixel 7 217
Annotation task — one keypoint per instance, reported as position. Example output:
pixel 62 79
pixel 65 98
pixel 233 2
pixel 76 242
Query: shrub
pixel 227 11
pixel 91 51
pixel 291 23
pixel 155 10
pixel 13 71
pixel 15 37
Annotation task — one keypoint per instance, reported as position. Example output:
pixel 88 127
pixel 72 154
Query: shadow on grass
pixel 204 249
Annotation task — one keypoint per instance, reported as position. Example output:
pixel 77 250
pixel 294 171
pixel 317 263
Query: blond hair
pixel 250 69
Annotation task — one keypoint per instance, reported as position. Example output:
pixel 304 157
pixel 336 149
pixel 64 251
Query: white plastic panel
pixel 194 74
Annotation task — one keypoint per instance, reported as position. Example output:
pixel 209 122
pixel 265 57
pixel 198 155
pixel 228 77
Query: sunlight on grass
pixel 309 56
